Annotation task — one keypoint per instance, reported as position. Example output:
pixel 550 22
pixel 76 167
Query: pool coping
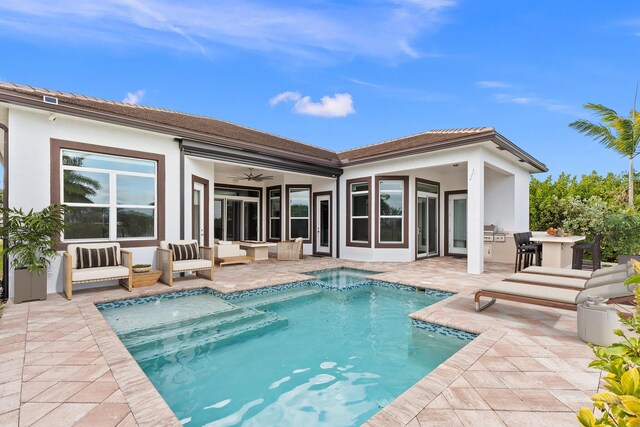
pixel 149 407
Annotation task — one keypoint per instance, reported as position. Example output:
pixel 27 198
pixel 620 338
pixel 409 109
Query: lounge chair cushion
pixel 99 273
pixel 548 293
pixel 613 290
pixel 619 277
pixel 540 279
pixel 611 270
pixel 191 264
pixel 563 272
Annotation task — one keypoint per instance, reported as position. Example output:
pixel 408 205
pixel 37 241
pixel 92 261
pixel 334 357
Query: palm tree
pixel 621 134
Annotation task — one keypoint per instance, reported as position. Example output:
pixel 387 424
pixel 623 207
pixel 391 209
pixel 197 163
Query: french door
pixel 236 218
pixel 457 233
pixel 427 224
pixel 322 222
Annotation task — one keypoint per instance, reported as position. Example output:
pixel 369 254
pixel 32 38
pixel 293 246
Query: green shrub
pixel 620 404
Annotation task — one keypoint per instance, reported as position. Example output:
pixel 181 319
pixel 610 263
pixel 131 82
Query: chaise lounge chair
pixel 552 296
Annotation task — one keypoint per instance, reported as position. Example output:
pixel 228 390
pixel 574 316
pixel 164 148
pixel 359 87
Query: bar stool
pixel 580 248
pixel 526 250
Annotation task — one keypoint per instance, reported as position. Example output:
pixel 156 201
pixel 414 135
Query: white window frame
pixel 381 217
pixel 269 199
pixel 352 204
pixel 308 217
pixel 113 194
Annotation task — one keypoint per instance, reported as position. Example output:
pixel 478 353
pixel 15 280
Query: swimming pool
pixel 296 354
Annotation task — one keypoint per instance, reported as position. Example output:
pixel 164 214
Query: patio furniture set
pixel 100 262
pixel 559 251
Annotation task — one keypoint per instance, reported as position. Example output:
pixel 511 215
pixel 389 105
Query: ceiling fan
pixel 251 177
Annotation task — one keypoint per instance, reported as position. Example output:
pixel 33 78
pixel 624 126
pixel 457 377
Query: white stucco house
pixel 138 175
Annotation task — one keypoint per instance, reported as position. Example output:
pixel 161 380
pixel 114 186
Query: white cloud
pixel 338 105
pixel 382 29
pixel 492 84
pixel 548 104
pixel 134 97
pixel 285 96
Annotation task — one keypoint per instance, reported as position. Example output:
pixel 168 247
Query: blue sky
pixel 340 74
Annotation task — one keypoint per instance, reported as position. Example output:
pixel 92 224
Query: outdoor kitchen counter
pixel 556 251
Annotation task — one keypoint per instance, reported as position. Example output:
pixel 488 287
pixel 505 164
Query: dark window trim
pixel 268 200
pixel 316 220
pixel 57 145
pixel 288 187
pixel 426 181
pixel 349 242
pixel 446 220
pixel 405 212
pixel 205 182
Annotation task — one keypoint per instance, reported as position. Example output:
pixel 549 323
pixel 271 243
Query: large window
pixel 392 211
pixel 359 211
pixel 299 209
pixel 275 212
pixel 108 197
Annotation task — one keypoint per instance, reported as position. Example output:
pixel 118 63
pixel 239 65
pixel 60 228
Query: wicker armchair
pixel 290 250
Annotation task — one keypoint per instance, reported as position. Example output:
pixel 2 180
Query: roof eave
pixel 26 100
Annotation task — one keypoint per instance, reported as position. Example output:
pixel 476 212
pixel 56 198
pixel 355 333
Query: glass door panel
pixel 458 224
pixel 422 231
pixel 250 221
pixel 432 226
pixel 324 223
pixel 218 219
pixel 234 219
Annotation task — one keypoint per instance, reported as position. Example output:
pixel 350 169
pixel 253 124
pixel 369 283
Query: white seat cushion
pixel 541 279
pixel 534 291
pixel 226 251
pixel 562 272
pixel 99 273
pixel 191 264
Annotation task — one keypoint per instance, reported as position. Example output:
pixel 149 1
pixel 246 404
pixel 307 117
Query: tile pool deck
pixel 62 365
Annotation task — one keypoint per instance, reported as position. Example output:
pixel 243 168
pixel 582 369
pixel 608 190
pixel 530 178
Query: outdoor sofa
pixel 226 252
pixel 96 262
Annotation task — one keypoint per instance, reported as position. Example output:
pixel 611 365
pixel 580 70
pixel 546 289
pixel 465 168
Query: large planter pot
pixel 29 286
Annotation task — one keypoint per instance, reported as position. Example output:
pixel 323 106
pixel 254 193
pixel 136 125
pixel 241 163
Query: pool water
pixel 304 356
pixel 341 276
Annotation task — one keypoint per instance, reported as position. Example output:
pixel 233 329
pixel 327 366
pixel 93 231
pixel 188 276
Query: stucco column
pixel 475 214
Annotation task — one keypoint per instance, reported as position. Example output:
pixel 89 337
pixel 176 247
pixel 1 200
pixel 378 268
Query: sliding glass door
pixel 236 214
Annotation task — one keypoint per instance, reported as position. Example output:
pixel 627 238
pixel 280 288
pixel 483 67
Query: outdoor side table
pixel 596 323
pixel 148 278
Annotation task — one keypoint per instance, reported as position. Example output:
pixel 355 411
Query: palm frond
pixel 607 114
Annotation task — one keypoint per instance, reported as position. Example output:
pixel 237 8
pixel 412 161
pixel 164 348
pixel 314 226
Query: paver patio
pixel 63 365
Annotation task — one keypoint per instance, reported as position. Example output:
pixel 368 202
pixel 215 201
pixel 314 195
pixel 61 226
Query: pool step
pixel 276 297
pixel 254 323
pixel 181 327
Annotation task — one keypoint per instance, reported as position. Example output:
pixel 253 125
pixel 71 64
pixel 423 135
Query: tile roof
pixel 180 120
pixel 424 139
pixel 182 124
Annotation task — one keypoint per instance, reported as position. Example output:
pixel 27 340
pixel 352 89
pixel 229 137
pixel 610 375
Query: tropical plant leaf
pixel 606 397
pixel 586 418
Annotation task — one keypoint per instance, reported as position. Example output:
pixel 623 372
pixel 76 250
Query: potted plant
pixel 31 247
